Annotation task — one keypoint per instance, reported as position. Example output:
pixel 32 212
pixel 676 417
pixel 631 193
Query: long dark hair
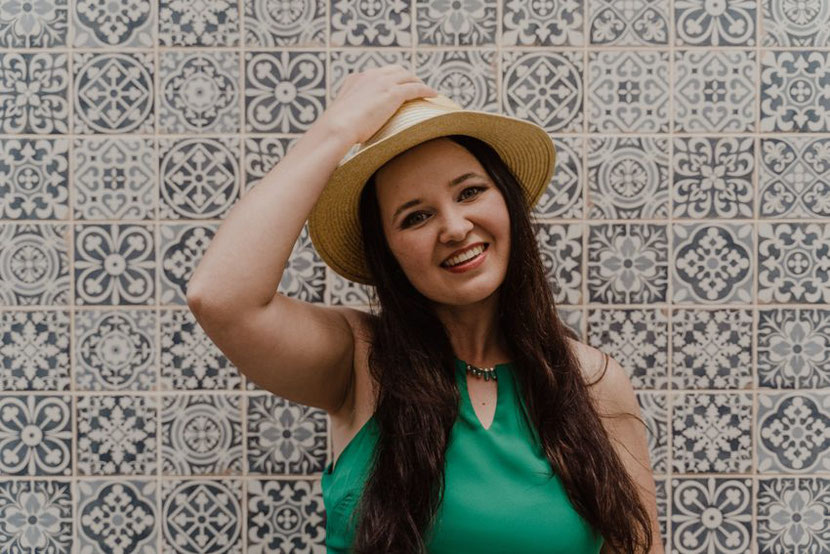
pixel 418 397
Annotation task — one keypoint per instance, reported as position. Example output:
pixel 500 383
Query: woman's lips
pixel 472 263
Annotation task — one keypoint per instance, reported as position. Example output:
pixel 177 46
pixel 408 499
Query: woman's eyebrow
pixel 414 202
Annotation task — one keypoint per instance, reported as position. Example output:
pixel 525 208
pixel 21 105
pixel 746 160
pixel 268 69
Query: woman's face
pixel 436 199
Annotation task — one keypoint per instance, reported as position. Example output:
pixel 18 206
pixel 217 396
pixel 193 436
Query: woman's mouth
pixel 458 264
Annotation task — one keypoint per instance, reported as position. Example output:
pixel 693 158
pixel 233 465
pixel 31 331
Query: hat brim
pixel 334 224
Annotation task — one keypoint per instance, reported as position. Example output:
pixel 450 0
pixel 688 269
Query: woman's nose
pixel 455 227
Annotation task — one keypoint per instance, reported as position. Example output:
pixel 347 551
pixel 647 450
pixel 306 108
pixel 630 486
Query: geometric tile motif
pixel 653 408
pixel 36 517
pixel 794 432
pixel 115 350
pixel 713 177
pixel 794 348
pixel 34 179
pixel 199 92
pixel 33 24
pixel 562 198
pixel 628 178
pixel 794 23
pixel 117 516
pixel 793 515
pixel 379 24
pixel 714 91
pixel 34 350
pixel 712 349
pixel 712 263
pixel 200 516
pixel 114 178
pixel 456 24
pixel 560 247
pixel 628 92
pixel 35 435
pixel 180 250
pixel 115 264
pixel 644 22
pixel 275 23
pixel 34 264
pixel 469 78
pixel 285 437
pixel 794 177
pixel 185 23
pixel 628 263
pixel 795 95
pixel 199 177
pixel 285 516
pixel 106 24
pixel 42 106
pixel 261 155
pixel 728 23
pixel 793 262
pixel 304 275
pixel 712 433
pixel 342 292
pixel 201 434
pixel 554 24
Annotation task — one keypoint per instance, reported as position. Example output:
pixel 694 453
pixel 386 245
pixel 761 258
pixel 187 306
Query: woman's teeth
pixel 464 256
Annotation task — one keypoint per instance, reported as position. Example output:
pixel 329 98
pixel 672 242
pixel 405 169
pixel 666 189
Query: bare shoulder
pixel 360 396
pixel 611 384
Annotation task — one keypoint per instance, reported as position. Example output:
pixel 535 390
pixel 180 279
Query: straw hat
pixel 334 224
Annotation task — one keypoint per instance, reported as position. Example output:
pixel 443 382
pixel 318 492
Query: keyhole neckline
pixel 467 402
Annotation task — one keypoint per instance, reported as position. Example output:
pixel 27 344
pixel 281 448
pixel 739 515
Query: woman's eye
pixel 412 219
pixel 476 189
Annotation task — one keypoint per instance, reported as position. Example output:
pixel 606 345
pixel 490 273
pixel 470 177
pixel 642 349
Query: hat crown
pixel 412 112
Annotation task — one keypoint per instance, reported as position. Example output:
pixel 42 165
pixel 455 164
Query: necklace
pixel 486 372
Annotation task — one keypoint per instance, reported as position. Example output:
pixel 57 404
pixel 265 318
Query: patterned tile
pixel 563 196
pixel 34 264
pixel 792 513
pixel 261 155
pixel 345 62
pixel 793 432
pixel 285 516
pixel 180 250
pixel 33 93
pixel 622 23
pixel 34 178
pixel 713 177
pixel 275 23
pixel 285 437
pixel 627 263
pixel 712 433
pixel 711 515
pixel 34 350
pixel 628 178
pixel 441 23
pixel 628 92
pixel 545 88
pixel 117 516
pixel 36 516
pixel 114 178
pixel 637 339
pixel 467 77
pixel 792 262
pixel 183 23
pixel 108 24
pixel 115 350
pixel 304 275
pixel 712 349
pixel 794 23
pixel 342 292
pixel 703 23
pixel 553 24
pixel 655 415
pixel 560 247
pixel 794 348
pixel 33 25
pixel 662 508
pixel 376 24
pixel 714 91
pixel 201 516
pixel 794 91
pixel 712 263
pixel 36 435
pixel 117 435
pixel 792 180
pixel 115 264
pixel 572 319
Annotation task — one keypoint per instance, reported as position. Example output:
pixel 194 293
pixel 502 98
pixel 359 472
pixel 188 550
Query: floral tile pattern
pixel 34 264
pixel 285 516
pixel 730 23
pixel 261 155
pixel 793 432
pixel 555 24
pixel 563 196
pixel 342 292
pixel 468 77
pixel 440 23
pixel 34 179
pixel 34 350
pixel 379 24
pixel 792 23
pixel 275 23
pixel 36 435
pixel 792 180
pixel 183 23
pixel 794 94
pixel 201 516
pixel 284 437
pixel 117 516
pixel 304 276
pixel 561 249
pixel 102 24
pixel 36 516
pixel 792 262
pixel 180 249
pixel 794 348
pixel 618 23
pixel 38 25
pixel 33 93
pixel 792 514
pixel 654 410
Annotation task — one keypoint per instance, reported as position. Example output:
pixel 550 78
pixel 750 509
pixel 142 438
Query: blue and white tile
pixel 113 24
pixel 114 178
pixel 33 24
pixel 285 516
pixel 34 93
pixel 792 262
pixel 275 23
pixel 711 515
pixel 723 23
pixel 714 91
pixel 36 516
pixel 34 178
pixel 379 24
pixel 794 91
pixel 713 177
pixel 466 77
pixel 199 177
pixel 304 275
pixel 637 339
pixel 201 434
pixel 184 23
pixel 465 23
pixel 628 263
pixel 346 62
pixel 712 263
pixel 202 516
pixel 181 247
pixel 628 178
pixel 712 349
pixel 34 350
pixel 563 196
pixel 544 88
pixel 34 264
pixel 795 23
pixel 572 318
pixel 117 435
pixel 792 179
pixel 115 264
pixel 115 350
pixel 662 485
pixel 199 92
pixel 550 24
pixel 189 359
pixel 792 514
pixel 36 435
pixel 560 248
pixel 285 92
pixel 622 23
pixel 794 348
pixel 628 91
pixel 261 155
pixel 285 437
pixel 793 432
pixel 343 292
pixel 117 516
pixel 653 409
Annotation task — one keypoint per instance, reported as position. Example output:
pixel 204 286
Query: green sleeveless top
pixel 500 494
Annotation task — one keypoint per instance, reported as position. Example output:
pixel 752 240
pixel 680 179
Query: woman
pixel 473 423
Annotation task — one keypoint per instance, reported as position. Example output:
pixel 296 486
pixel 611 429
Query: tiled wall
pixel 686 232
